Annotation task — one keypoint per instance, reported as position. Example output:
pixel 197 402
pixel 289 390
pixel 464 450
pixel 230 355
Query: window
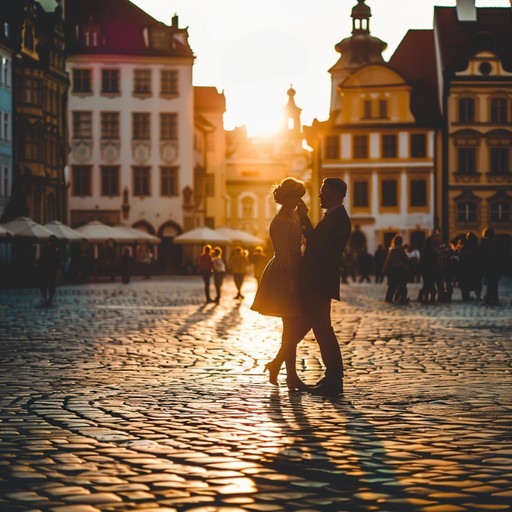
pixel 168 126
pixel 169 81
pixel 30 91
pixel 500 160
pixel 361 194
pixel 4 72
pixel 82 124
pixel 389 193
pixel 109 180
pixel 110 125
pixel 81 180
pixel 499 212
pixel 466 110
pixel 142 81
pixel 30 142
pixel 141 181
pixel 159 38
pixel 367 109
pixel 82 80
pixel 499 110
pixel 418 193
pixel 360 146
pixel 248 207
pixel 140 126
pixel 332 147
pixel 91 38
pixel 110 81
pixel 418 145
pixel 467 212
pixel 5 127
pixel 389 146
pixel 383 109
pixel 466 160
pixel 168 181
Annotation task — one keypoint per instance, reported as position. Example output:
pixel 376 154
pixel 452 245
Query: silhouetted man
pixel 319 277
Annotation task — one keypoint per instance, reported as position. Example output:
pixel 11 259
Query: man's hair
pixel 338 185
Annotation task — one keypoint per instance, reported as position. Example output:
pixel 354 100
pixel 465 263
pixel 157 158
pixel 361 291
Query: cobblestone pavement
pixel 139 397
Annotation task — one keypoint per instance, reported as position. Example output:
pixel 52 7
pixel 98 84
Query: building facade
pixel 131 118
pixel 378 140
pixel 39 133
pixel 474 164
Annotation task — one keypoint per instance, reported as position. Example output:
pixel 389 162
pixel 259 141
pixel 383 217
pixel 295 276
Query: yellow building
pixel 474 166
pixel 379 138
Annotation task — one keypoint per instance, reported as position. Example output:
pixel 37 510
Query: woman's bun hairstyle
pixel 287 189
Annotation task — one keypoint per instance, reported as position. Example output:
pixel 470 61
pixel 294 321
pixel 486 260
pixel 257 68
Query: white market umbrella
pixel 64 232
pixel 4 232
pixel 237 235
pixel 24 227
pixel 97 232
pixel 142 237
pixel 201 236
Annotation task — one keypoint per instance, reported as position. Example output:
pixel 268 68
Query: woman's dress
pixel 278 292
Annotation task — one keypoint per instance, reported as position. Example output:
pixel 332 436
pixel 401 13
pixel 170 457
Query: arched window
pixel 466 110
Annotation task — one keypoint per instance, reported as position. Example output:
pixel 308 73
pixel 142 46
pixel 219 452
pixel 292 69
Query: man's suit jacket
pixel 320 265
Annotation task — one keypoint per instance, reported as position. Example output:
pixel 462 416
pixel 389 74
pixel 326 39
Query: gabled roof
pixel 208 99
pixel 122 29
pixel 415 59
pixel 459 41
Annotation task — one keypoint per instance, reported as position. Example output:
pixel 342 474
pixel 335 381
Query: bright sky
pixel 254 49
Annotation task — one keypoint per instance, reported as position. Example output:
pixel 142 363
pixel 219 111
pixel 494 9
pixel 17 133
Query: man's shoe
pixel 327 388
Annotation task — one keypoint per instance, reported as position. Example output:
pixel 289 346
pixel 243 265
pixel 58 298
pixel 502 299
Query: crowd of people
pixel 467 263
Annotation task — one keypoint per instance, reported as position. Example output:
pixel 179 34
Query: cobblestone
pixel 140 397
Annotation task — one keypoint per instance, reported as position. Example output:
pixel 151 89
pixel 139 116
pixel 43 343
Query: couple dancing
pixel 299 287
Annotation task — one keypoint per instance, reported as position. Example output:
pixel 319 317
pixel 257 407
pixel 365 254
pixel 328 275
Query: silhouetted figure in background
pixel 345 266
pixel 259 261
pixel 126 266
pixel 442 276
pixel 219 272
pixel 379 259
pixel 238 264
pixel 414 264
pixel 396 267
pixel 147 262
pixel 428 261
pixel 205 269
pixel 364 265
pixel 469 275
pixel 49 264
pixel 491 260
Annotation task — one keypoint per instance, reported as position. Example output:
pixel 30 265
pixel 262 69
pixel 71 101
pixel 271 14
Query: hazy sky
pixel 254 49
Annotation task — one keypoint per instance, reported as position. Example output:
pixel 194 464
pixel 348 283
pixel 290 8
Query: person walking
pixel 396 267
pixel 278 291
pixel 49 263
pixel 428 262
pixel 147 262
pixel 469 275
pixel 379 258
pixel 238 264
pixel 259 262
pixel 205 269
pixel 219 272
pixel 491 260
pixel 319 277
pixel 126 266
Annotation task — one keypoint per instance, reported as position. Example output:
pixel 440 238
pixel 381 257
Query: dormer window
pixel 159 38
pixel 6 29
pixel 91 34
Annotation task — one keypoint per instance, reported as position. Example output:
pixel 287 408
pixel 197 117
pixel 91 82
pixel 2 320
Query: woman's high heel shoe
pixel 273 369
pixel 295 384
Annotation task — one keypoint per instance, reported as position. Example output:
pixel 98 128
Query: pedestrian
pixel 126 266
pixel 205 269
pixel 428 262
pixel 414 256
pixel 442 275
pixel 278 292
pixel 469 275
pixel 147 262
pixel 238 264
pixel 364 265
pixel 259 262
pixel 396 267
pixel 49 263
pixel 491 261
pixel 379 258
pixel 219 272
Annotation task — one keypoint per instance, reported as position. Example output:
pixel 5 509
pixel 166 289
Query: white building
pixel 131 119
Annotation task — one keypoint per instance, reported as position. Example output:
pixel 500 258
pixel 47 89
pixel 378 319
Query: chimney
pixel 466 10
